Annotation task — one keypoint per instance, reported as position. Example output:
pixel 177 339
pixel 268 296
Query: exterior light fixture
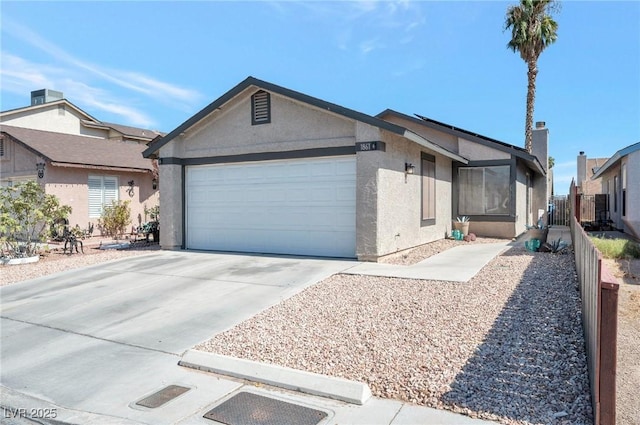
pixel 154 183
pixel 409 168
pixel 130 190
pixel 40 167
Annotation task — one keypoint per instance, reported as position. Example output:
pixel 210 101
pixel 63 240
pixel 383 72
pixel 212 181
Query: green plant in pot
pixel 462 224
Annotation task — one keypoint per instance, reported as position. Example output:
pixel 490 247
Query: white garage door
pixel 301 206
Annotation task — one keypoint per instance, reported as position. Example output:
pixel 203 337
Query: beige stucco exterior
pixel 58 117
pixel 630 221
pixel 479 153
pixel 387 205
pixel 388 199
pixel 70 184
pixel 69 181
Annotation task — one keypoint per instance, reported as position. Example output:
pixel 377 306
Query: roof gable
pixel 273 88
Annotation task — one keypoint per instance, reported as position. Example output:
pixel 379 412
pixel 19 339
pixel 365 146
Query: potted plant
pixel 462 224
pixel 538 231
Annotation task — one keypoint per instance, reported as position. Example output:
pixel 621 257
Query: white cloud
pixel 359 25
pixel 71 66
pixel 21 76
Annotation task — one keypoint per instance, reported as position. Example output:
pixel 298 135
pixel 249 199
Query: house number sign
pixel 370 146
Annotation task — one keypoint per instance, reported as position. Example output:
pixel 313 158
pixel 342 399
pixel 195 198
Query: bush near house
pixel 115 218
pixel 26 215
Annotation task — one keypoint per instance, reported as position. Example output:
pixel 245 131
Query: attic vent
pixel 260 108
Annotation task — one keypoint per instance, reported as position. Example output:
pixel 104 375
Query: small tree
pixel 26 214
pixel 115 218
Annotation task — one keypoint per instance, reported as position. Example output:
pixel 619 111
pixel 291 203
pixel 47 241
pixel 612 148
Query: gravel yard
pixel 56 261
pixel 506 346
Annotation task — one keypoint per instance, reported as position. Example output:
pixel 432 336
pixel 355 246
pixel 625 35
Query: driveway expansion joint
pixel 26 322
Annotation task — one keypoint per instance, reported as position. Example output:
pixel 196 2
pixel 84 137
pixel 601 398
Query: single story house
pixel 620 176
pixel 86 163
pixel 270 170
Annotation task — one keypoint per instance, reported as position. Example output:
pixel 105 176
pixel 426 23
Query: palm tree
pixel 532 30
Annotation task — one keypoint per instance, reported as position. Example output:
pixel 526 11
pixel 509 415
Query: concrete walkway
pixel 457 264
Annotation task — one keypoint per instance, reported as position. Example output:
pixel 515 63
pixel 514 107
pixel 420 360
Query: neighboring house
pixel 270 170
pixel 587 167
pixel 620 176
pixel 86 163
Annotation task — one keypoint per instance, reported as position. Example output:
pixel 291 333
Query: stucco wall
pixel 171 211
pixel 399 198
pixel 70 185
pixel 57 118
pixel 630 223
pixel 615 193
pixel 494 229
pixel 523 217
pixel 632 218
pixel 293 126
pixel 477 152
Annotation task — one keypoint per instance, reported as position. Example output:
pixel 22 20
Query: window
pixel 428 189
pixel 484 190
pixel 102 190
pixel 260 108
pixel 624 190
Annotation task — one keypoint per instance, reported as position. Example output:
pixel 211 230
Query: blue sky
pixel 154 64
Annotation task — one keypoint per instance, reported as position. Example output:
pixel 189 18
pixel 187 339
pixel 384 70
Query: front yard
pixel 506 346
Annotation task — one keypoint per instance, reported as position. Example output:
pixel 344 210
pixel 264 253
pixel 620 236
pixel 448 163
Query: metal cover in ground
pixel 253 409
pixel 161 397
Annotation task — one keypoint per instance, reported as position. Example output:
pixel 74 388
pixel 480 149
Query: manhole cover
pixel 252 409
pixel 162 396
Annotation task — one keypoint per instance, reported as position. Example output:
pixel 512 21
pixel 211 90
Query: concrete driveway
pixel 99 338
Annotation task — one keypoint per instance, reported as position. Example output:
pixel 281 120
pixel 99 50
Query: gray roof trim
pixel 615 158
pixel 251 81
pixel 519 152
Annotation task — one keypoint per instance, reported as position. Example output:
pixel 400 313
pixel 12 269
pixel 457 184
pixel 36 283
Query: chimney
pixel 540 144
pixel 38 97
pixel 582 169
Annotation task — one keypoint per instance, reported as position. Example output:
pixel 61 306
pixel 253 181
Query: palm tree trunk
pixel 532 72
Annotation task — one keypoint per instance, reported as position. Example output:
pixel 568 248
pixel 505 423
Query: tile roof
pixel 80 150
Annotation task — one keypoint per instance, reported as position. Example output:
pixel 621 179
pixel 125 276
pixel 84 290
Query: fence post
pixel 608 343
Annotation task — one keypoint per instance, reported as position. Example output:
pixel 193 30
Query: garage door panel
pixel 304 207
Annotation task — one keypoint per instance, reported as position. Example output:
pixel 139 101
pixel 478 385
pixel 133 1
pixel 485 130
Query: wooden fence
pixel 599 295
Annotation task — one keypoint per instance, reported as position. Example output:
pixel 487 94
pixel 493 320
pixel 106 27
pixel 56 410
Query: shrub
pixel 26 215
pixel 115 218
pixel 617 249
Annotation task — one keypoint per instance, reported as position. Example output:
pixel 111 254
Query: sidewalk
pixel 458 264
